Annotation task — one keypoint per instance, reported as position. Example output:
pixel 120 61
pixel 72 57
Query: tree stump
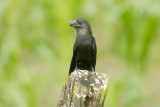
pixel 84 89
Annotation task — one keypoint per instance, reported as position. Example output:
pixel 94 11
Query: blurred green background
pixel 36 47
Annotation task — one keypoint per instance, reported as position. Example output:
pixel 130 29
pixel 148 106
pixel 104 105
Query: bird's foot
pixel 76 67
pixel 93 70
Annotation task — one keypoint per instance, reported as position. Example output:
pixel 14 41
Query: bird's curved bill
pixel 72 22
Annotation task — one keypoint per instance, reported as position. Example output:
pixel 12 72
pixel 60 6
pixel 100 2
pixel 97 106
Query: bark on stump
pixel 84 89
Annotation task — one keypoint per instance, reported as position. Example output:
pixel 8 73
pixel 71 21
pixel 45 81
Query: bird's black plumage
pixel 85 50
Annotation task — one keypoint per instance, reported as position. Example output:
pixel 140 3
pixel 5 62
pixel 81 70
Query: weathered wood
pixel 84 89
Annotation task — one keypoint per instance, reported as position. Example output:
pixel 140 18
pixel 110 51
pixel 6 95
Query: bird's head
pixel 80 25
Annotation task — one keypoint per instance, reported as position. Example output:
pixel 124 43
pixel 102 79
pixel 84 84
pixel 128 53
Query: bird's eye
pixel 79 23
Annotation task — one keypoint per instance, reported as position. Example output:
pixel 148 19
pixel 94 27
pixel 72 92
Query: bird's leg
pixel 92 69
pixel 76 67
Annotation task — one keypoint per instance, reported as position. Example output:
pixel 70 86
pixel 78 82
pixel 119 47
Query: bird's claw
pixel 93 69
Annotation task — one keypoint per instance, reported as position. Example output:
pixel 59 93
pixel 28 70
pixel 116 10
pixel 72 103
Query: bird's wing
pixel 73 63
pixel 94 51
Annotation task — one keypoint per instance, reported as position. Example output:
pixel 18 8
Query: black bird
pixel 85 50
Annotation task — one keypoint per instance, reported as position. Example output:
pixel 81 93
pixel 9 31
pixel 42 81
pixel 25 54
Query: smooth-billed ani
pixel 85 50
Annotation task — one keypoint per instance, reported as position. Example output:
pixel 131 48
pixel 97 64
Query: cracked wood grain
pixel 84 89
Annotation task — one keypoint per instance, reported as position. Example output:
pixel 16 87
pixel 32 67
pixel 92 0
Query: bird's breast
pixel 84 50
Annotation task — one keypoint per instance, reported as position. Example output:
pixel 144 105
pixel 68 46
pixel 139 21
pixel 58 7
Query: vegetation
pixel 36 47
